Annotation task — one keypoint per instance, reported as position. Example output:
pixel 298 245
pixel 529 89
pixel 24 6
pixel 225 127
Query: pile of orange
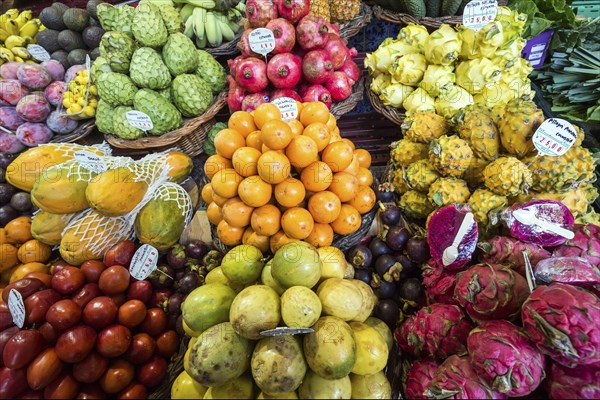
pixel 275 181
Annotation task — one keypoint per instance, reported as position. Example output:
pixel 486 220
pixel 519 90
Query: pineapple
pixel 415 204
pixel 424 126
pixel 320 8
pixel 405 152
pixel 450 155
pixel 445 191
pixel 486 206
pixel 507 176
pixel 474 174
pixel 517 126
pixel 475 125
pixel 420 175
pixel 343 10
pixel 552 174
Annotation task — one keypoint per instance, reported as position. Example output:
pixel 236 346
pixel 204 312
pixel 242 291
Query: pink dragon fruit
pixel 442 228
pixel 260 12
pixel 509 251
pixel 235 95
pixel 251 101
pixel 564 322
pixel 439 284
pixel 244 46
pixel 251 74
pixel 491 291
pixel 586 244
pixel 286 93
pixel 582 382
pixel 351 70
pixel 284 70
pixel 419 376
pixel 317 93
pixel 339 85
pixel 293 10
pixel 317 66
pixel 284 33
pixel 502 354
pixel 311 32
pixel 456 379
pixel 337 50
pixel 576 271
pixel 438 330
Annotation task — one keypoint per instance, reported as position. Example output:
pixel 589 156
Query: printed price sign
pixel 38 52
pixel 479 13
pixel 261 41
pixel 554 137
pixel 139 120
pixel 288 108
pixel 16 308
pixel 143 262
pixel 89 160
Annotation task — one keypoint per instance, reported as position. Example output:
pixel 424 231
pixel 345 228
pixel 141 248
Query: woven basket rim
pixel 83 130
pixel 391 113
pixel 192 143
pixel 345 106
pixel 362 19
pixel 228 48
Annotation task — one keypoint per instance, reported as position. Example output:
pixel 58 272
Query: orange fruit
pixel 252 238
pixel 227 141
pixel 302 151
pixel 266 112
pixel 278 240
pixel 314 111
pixel 297 223
pixel 254 191
pixel 225 182
pixel 8 256
pixel 245 161
pixel 319 133
pixel 331 123
pixel 335 135
pixel 296 127
pixel 364 157
pixel 276 134
pixel 324 207
pixel 242 122
pixel 216 163
pixel 364 176
pixel 214 214
pixel 344 185
pixel 34 251
pixel 321 236
pixel 316 177
pixel 348 221
pixel 236 213
pixel 273 167
pixel 266 220
pixel 352 169
pixel 349 143
pixel 218 200
pixel 207 193
pixel 290 192
pixel 337 155
pixel 229 235
pixel 254 140
pixel 364 200
pixel 299 105
pixel 18 230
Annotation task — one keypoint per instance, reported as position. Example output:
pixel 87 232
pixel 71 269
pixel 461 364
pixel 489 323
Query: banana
pixel 201 43
pixel 21 52
pixel 12 13
pixel 12 27
pixel 6 54
pixel 19 59
pixel 208 4
pixel 186 12
pixel 200 20
pixel 234 15
pixel 189 28
pixel 3 35
pixel 227 33
pixel 234 26
pixel 210 25
pixel 219 34
pixel 30 29
pixel 26 15
pixel 15 41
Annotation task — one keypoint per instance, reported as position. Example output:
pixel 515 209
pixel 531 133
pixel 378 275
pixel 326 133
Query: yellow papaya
pixel 115 192
pixel 162 220
pixel 180 166
pixel 47 227
pixel 29 165
pixel 61 189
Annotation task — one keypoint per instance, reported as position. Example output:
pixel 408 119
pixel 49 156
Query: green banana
pixel 226 31
pixel 234 26
pixel 212 30
pixel 186 12
pixel 241 7
pixel 208 4
pixel 234 15
pixel 189 28
pixel 200 23
pixel 201 43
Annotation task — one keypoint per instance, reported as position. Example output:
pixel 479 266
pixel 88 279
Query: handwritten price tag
pixel 139 120
pixel 261 41
pixel 16 308
pixel 143 262
pixel 554 137
pixel 288 108
pixel 89 160
pixel 479 13
pixel 38 52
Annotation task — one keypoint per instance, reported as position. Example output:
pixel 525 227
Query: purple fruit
pixel 55 69
pixel 31 134
pixel 439 284
pixel 60 123
pixel 581 382
pixel 72 72
pixel 54 92
pixel 34 108
pixel 9 70
pixel 9 143
pixel 419 376
pixel 34 76
pixel 9 118
pixel 11 91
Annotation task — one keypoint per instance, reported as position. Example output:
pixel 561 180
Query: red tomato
pixel 113 341
pixel 100 312
pixel 75 343
pixel 91 368
pixel 68 280
pixel 23 347
pixel 114 280
pixel 155 322
pixel 63 314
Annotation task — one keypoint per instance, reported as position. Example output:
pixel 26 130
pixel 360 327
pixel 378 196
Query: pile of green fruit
pixel 71 33
pixel 425 8
pixel 147 64
pixel 212 23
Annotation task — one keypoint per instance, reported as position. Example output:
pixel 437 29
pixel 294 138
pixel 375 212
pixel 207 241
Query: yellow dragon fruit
pixel 574 199
pixel 420 175
pixel 513 23
pixel 468 48
pixel 507 176
pixel 449 190
pixel 381 59
pixel 424 126
pixel 415 204
pixel 451 100
pixel 408 69
pixel 485 206
pixel 395 94
pixel 475 125
pixel 414 35
pixel 404 152
pixel 443 46
pixel 519 123
pixel 474 75
pixel 474 173
pixel 450 155
pixel 495 96
pixel 509 53
pixel 380 82
pixel 489 38
pixel 582 161
pixel 552 174
pixel 419 100
pixel 399 182
pixel 437 78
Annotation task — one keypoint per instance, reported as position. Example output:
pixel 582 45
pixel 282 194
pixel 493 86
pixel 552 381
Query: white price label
pixel 139 120
pixel 89 160
pixel 143 262
pixel 288 108
pixel 16 307
pixel 554 137
pixel 38 52
pixel 479 13
pixel 262 41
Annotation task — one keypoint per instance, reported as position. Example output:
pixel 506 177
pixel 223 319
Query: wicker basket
pixel 228 48
pixel 83 130
pixel 189 127
pixel 392 113
pixel 352 27
pixel 345 106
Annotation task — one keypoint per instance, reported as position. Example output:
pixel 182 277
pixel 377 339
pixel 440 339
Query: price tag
pixel 479 13
pixel 143 262
pixel 89 160
pixel 16 307
pixel 262 41
pixel 288 108
pixel 38 52
pixel 554 137
pixel 139 120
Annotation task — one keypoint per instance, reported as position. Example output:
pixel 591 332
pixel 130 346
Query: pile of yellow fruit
pixel 81 101
pixel 274 181
pixel 17 31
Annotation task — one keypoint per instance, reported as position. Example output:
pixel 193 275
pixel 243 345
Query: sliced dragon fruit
pixel 452 229
pixel 576 271
pixel 532 222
